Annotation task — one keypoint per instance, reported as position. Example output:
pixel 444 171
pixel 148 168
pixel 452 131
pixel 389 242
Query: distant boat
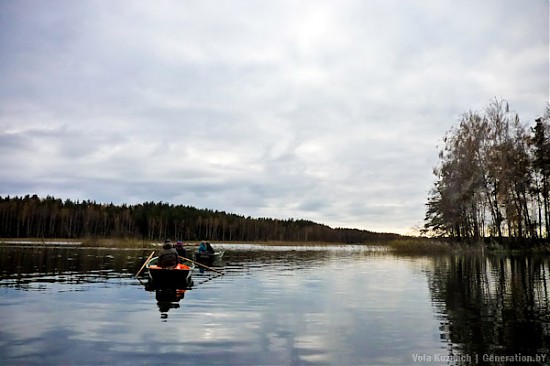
pixel 208 258
pixel 177 277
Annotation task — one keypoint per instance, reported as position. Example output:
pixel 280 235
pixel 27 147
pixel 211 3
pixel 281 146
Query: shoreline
pixel 146 243
pixel 406 246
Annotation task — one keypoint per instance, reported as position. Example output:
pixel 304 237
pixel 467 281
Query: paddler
pixel 168 258
pixel 180 249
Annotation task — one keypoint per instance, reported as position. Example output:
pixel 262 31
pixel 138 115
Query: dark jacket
pixel 181 251
pixel 168 258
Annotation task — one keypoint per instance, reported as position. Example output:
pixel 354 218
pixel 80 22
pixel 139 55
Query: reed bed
pixel 419 246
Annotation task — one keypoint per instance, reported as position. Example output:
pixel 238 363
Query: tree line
pixel 493 179
pixel 50 217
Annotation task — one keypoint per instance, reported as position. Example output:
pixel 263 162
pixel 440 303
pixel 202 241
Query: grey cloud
pixel 309 110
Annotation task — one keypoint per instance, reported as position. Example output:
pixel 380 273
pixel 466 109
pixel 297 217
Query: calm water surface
pixel 338 305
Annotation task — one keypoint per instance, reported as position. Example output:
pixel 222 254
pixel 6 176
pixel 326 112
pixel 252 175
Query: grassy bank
pixel 433 246
pixel 400 245
pixel 139 243
pixel 87 243
pixel 404 246
pixel 419 246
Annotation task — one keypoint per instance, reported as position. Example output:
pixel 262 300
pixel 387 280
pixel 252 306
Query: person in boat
pixel 180 249
pixel 202 247
pixel 168 258
pixel 209 248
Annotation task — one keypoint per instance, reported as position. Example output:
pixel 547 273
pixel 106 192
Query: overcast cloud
pixel 330 111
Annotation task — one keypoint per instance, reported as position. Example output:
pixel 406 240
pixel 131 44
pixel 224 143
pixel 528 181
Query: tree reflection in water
pixel 493 305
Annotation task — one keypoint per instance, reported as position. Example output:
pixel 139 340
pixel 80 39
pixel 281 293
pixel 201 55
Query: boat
pixel 208 258
pixel 177 277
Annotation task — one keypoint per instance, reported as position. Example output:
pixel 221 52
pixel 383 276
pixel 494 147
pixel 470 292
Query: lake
pixel 318 305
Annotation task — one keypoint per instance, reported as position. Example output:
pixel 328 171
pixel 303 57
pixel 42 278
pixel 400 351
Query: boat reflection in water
pixel 169 284
pixel 167 295
pixel 168 299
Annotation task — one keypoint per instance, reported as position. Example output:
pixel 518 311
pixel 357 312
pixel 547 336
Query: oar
pixel 202 265
pixel 144 264
pixel 208 279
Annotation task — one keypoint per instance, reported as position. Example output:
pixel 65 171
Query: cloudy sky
pixel 330 111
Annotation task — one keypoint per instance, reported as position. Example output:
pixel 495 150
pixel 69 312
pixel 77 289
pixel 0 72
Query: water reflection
pixel 343 306
pixel 27 267
pixel 493 305
pixel 167 296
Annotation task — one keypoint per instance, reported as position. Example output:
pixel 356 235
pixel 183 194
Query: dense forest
pixel 493 179
pixel 49 217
